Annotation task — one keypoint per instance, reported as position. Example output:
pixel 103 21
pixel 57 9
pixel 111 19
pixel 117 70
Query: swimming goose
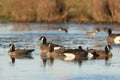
pixel 63 29
pixel 52 52
pixel 100 54
pixel 94 32
pixel 13 52
pixel 113 38
pixel 67 54
pixel 44 46
pixel 75 54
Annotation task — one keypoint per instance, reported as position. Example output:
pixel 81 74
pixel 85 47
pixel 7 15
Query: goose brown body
pixel 113 38
pixel 67 54
pixel 45 46
pixel 12 51
pixel 101 54
pixel 93 33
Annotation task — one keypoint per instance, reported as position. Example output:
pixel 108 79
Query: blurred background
pixel 80 11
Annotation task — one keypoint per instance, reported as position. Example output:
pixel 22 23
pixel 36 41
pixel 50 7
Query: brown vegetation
pixel 101 12
pixel 114 7
pixel 49 10
pixel 37 10
pixel 22 10
pixel 60 10
pixel 78 10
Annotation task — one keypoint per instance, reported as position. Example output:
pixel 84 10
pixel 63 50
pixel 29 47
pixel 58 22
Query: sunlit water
pixel 26 36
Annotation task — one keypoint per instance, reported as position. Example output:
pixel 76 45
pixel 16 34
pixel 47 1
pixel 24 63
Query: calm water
pixel 26 36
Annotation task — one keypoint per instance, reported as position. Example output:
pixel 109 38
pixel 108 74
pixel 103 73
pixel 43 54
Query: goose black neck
pixel 106 50
pixel 80 48
pixel 12 48
pixel 44 41
pixel 109 31
pixel 51 48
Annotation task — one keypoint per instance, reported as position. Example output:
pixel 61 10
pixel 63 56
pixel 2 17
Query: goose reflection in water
pixel 46 60
pixel 13 58
pixel 49 61
pixel 77 61
pixel 107 62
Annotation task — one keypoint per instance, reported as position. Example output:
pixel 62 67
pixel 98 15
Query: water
pixel 26 35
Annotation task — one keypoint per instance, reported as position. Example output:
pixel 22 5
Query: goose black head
pixel 105 29
pixel 107 48
pixel 12 47
pixel 80 48
pixel 97 29
pixel 43 39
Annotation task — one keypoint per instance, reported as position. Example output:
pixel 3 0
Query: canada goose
pixel 94 32
pixel 13 52
pixel 63 29
pixel 44 46
pixel 67 54
pixel 74 54
pixel 113 38
pixel 52 52
pixel 105 29
pixel 100 54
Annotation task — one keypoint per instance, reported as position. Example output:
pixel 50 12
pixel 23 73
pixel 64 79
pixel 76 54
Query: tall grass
pixel 23 10
pixel 60 10
pixel 4 9
pixel 114 7
pixel 101 11
pixel 79 10
pixel 49 10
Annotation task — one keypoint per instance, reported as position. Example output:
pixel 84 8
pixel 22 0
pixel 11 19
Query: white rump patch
pixel 55 48
pixel 117 40
pixel 90 56
pixel 69 56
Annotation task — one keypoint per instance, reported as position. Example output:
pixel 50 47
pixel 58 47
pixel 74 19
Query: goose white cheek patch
pixel 117 40
pixel 11 47
pixel 42 39
pixel 69 56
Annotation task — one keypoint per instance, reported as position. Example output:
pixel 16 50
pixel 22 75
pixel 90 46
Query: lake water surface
pixel 26 35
